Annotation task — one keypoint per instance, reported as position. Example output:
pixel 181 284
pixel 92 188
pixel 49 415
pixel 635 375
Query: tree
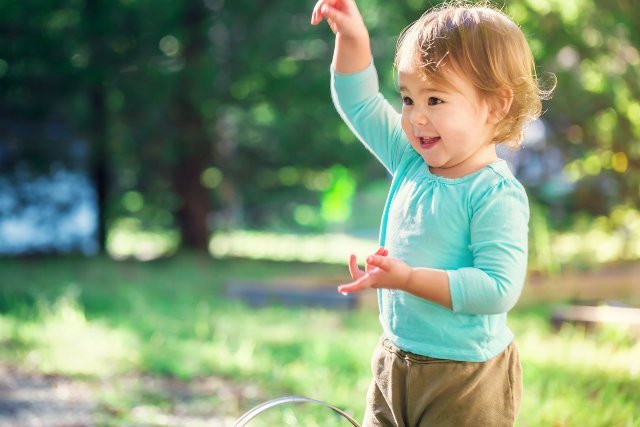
pixel 203 115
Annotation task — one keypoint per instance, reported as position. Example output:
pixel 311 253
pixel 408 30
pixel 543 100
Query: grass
pixel 100 319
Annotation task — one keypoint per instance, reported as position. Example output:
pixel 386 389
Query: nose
pixel 418 117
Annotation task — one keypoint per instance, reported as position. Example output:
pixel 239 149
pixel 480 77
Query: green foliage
pixel 586 242
pixel 600 68
pixel 337 200
pixel 224 107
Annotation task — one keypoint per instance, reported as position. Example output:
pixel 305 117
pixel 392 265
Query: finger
pixel 355 271
pixel 316 17
pixel 331 13
pixel 380 252
pixel 361 284
pixel 382 262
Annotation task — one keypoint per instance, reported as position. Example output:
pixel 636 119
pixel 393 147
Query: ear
pixel 499 105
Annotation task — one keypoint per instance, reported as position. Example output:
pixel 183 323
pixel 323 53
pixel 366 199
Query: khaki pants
pixel 409 390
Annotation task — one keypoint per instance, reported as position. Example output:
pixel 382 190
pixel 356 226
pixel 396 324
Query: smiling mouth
pixel 428 142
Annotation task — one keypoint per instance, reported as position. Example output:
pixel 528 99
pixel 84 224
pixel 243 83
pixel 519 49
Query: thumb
pixel 355 272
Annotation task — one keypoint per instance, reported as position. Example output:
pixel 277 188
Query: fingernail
pixel 341 291
pixel 369 259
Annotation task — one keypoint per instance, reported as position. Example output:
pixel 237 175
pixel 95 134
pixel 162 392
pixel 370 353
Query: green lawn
pixel 97 318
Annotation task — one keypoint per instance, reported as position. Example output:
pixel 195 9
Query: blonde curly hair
pixel 483 44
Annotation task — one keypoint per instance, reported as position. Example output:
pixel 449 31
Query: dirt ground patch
pixel 32 400
pixel 37 400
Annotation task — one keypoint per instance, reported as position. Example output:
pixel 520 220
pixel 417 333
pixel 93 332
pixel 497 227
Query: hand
pixel 382 272
pixel 355 271
pixel 342 16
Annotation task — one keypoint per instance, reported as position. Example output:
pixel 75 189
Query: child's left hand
pixel 382 272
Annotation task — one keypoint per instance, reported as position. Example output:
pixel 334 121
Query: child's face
pixel 450 127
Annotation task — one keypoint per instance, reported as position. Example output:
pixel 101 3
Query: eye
pixel 435 101
pixel 407 101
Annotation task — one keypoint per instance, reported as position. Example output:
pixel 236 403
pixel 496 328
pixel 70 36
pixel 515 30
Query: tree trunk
pixel 195 145
pixel 193 213
pixel 97 73
pixel 99 170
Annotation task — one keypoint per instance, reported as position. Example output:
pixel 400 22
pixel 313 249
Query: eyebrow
pixel 424 89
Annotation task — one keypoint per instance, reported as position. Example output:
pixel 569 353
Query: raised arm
pixel 354 84
pixel 352 51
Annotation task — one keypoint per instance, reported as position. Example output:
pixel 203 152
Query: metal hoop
pixel 252 413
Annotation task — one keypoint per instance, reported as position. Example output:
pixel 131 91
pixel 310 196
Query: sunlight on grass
pixel 317 353
pixel 574 378
pixel 127 239
pixel 329 248
pixel 172 319
pixel 590 242
pixel 328 359
pixel 609 348
pixel 61 340
pixel 585 354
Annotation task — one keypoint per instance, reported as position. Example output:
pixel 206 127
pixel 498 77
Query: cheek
pixel 406 125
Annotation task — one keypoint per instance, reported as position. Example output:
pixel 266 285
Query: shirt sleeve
pixel 499 244
pixel 369 115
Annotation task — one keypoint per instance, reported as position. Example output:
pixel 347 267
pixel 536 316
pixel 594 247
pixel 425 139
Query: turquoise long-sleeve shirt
pixel 475 228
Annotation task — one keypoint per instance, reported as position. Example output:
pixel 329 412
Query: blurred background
pixel 164 165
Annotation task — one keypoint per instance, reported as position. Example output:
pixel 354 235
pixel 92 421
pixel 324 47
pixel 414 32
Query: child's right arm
pixel 352 50
pixel 354 83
